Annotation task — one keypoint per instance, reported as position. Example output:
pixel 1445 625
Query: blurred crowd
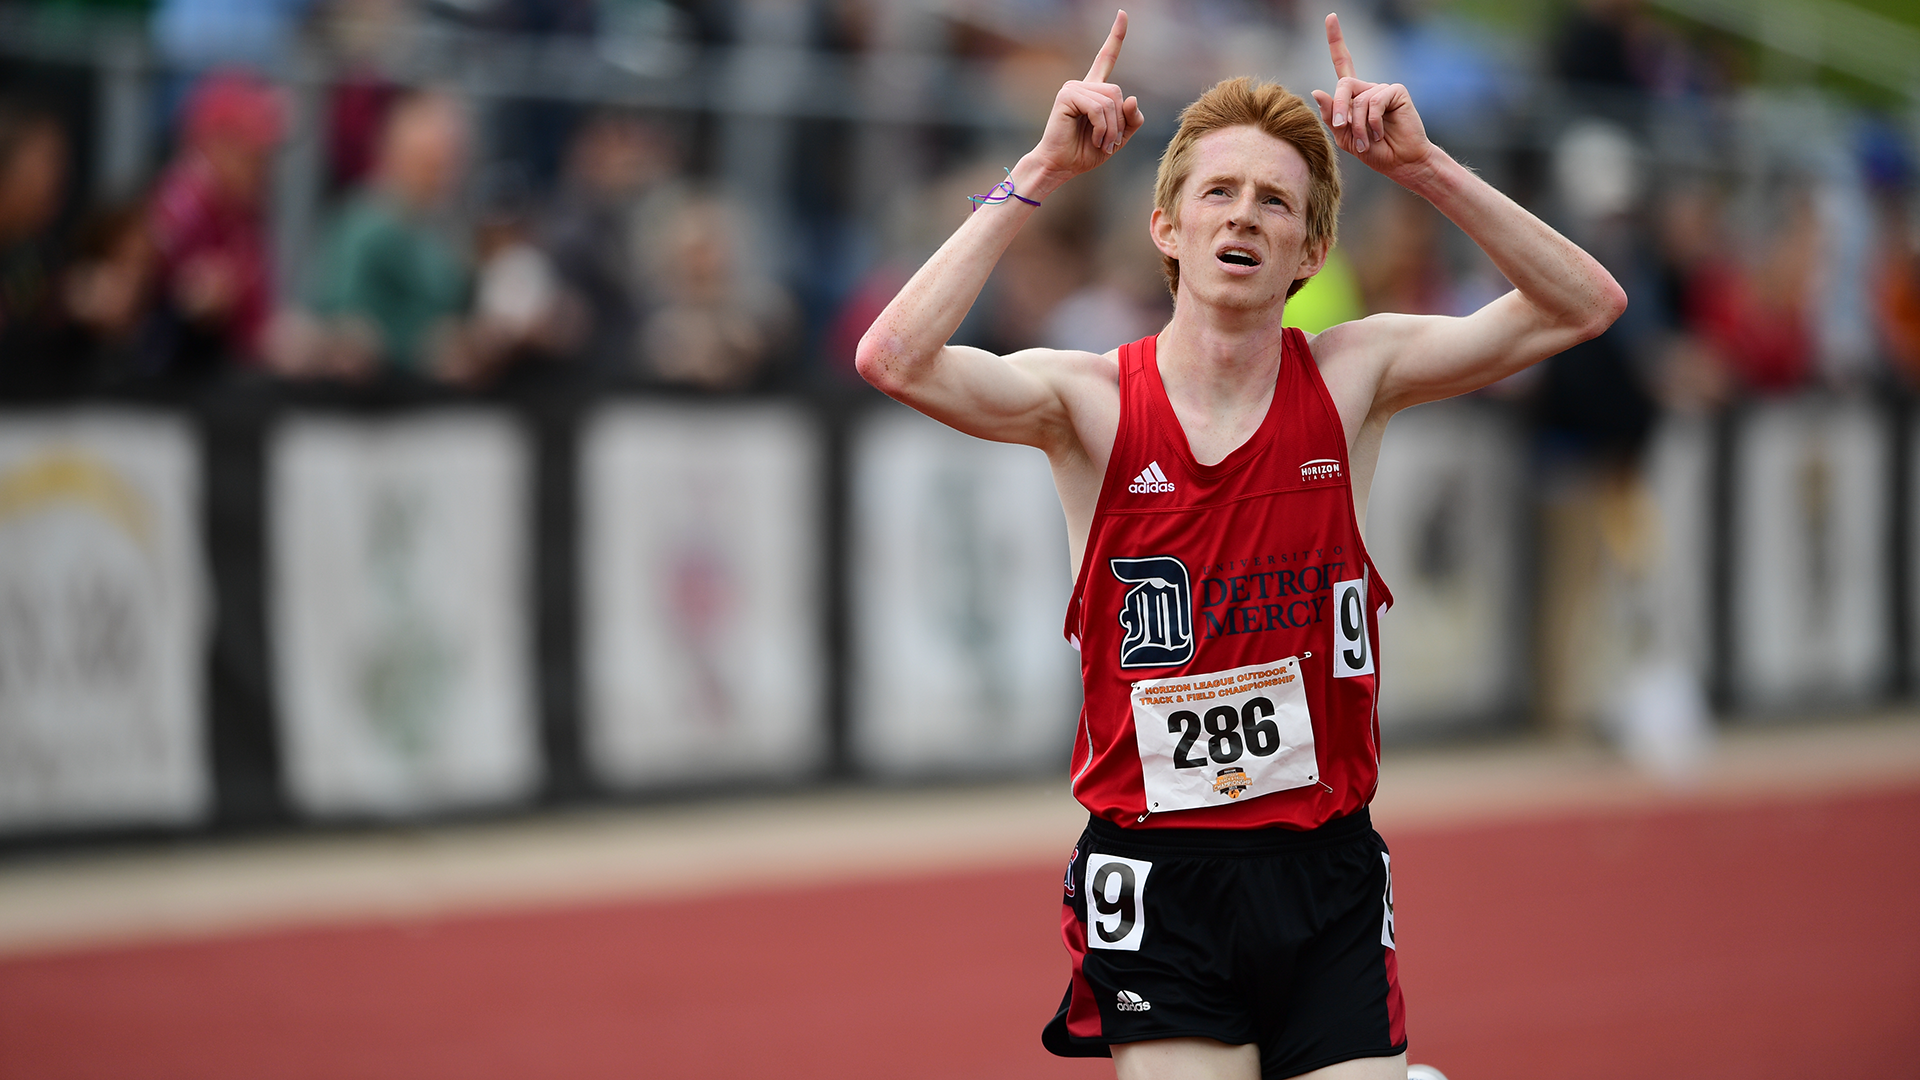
pixel 430 264
pixel 471 241
pixel 308 202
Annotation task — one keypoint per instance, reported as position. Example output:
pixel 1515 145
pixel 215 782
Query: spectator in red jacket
pixel 207 220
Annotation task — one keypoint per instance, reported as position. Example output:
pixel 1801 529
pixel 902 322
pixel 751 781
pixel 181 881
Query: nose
pixel 1245 215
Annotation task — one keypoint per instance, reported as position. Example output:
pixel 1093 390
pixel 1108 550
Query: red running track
pixel 1768 941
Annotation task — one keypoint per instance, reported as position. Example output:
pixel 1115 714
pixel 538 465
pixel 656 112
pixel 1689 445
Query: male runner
pixel 1229 908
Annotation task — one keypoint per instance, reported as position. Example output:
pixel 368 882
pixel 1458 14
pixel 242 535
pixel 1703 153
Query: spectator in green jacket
pixel 394 279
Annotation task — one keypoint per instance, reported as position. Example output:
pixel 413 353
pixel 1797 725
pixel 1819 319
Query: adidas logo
pixel 1132 1002
pixel 1150 480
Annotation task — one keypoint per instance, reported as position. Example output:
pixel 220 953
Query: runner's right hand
pixel 1090 118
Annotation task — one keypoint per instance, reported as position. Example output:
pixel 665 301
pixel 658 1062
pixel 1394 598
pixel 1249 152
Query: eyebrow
pixel 1222 178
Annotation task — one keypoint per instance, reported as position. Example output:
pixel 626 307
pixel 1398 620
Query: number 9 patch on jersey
pixel 1116 902
pixel 1352 652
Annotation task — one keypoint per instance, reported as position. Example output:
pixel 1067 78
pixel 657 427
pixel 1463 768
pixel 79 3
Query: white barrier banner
pixel 102 628
pixel 960 585
pixel 1811 610
pixel 401 612
pixel 701 589
pixel 1443 527
pixel 1678 587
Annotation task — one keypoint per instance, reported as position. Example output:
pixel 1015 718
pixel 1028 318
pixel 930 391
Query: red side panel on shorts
pixel 1083 1013
pixel 1396 1009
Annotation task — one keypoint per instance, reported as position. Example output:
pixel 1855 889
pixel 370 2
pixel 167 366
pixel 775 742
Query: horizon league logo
pixel 1156 613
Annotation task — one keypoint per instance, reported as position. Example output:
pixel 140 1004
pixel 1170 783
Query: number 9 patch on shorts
pixel 1116 902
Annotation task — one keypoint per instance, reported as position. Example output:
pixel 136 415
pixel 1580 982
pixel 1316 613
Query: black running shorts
pixel 1271 936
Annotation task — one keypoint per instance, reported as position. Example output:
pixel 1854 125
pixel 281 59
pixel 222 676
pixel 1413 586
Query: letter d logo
pixel 1156 612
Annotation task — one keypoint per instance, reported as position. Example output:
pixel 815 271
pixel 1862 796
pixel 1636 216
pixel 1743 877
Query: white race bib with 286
pixel 1224 737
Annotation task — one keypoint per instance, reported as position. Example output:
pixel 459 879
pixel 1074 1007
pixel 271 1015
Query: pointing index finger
pixel 1337 46
pixel 1109 54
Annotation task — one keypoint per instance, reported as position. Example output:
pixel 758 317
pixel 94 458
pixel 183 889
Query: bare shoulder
pixel 1087 387
pixel 1027 397
pixel 1070 369
pixel 1353 358
pixel 1363 346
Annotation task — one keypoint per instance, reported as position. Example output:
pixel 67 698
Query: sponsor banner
pixel 1811 608
pixel 701 591
pixel 1676 591
pixel 401 612
pixel 1443 526
pixel 103 632
pixel 959 575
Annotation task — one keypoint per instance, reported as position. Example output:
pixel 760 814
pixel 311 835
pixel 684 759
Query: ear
pixel 1313 259
pixel 1164 231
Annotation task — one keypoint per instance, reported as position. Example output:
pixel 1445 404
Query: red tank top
pixel 1226 617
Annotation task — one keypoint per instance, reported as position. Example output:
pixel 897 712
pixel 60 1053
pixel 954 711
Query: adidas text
pixel 1132 1002
pixel 1150 480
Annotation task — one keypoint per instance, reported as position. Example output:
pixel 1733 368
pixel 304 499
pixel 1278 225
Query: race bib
pixel 1224 737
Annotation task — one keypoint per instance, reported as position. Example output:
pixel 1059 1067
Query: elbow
pixel 871 356
pixel 1616 302
pixel 1611 304
pixel 890 363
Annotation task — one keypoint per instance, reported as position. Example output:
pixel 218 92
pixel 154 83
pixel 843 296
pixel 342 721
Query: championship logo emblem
pixel 1231 781
pixel 1157 613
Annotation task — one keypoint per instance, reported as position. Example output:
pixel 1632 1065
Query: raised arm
pixel 1015 398
pixel 1562 295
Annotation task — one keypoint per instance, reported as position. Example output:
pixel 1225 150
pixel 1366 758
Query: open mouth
pixel 1238 257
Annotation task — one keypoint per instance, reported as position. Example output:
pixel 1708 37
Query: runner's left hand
pixel 1374 122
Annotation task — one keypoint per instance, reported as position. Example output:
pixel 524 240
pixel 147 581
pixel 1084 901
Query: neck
pixel 1218 357
pixel 1219 368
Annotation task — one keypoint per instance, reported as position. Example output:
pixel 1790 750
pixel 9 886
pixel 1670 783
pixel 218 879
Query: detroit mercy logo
pixel 1157 613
